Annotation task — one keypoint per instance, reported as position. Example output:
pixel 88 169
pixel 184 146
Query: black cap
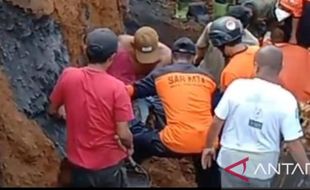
pixel 101 43
pixel 184 45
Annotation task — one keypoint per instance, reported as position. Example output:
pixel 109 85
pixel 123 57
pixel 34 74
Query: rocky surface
pixel 38 39
pixel 159 14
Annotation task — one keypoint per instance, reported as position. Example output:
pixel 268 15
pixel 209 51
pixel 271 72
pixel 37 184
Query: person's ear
pixel 111 58
pixel 256 68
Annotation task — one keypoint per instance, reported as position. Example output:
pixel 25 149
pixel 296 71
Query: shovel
pixel 137 176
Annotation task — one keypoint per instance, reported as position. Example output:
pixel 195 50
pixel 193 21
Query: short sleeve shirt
pixel 257 114
pixel 94 102
pixel 241 65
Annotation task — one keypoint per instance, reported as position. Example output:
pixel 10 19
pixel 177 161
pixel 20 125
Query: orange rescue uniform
pixel 240 65
pixel 293 6
pixel 300 9
pixel 186 94
pixel 295 74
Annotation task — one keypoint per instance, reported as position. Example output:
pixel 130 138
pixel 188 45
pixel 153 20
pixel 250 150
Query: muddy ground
pixel 39 39
pixel 159 14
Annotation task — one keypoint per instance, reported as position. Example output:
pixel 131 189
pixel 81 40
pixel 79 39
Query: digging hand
pixel 62 113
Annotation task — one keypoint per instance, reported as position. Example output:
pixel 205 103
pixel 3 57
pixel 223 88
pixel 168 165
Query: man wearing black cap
pixel 98 110
pixel 186 94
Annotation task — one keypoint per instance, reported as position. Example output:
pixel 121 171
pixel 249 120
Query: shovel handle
pixel 132 162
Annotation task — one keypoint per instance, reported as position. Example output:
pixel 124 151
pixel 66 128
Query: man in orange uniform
pixel 226 34
pixel 296 66
pixel 186 94
pixel 300 10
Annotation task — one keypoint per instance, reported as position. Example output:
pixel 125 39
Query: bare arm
pixel 222 112
pixel 57 97
pixel 292 133
pixel 202 45
pixel 124 135
pixel 214 131
pixel 53 110
pixel 123 113
pixel 209 152
pixel 295 24
pixel 200 55
pixel 166 58
pixel 298 153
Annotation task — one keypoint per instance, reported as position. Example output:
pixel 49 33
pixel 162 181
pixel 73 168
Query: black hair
pixel 95 55
pixel 278 35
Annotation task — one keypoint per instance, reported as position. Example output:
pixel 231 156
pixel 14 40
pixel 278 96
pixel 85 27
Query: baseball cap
pixel 184 45
pixel 101 43
pixel 146 41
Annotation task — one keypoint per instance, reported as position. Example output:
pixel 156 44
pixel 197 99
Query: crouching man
pixel 98 110
pixel 186 95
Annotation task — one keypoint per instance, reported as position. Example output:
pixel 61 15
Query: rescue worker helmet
pixel 225 30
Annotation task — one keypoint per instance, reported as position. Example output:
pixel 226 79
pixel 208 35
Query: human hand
pixel 293 40
pixel 62 113
pixel 129 151
pixel 197 60
pixel 208 155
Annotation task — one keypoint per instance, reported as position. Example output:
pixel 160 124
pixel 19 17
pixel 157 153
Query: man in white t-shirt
pixel 256 114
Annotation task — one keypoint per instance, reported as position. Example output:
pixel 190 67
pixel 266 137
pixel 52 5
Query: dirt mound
pixel 28 158
pixel 75 17
pixel 159 14
pixel 170 172
pixel 37 39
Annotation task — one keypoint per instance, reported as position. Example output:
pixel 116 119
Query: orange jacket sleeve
pixel 294 6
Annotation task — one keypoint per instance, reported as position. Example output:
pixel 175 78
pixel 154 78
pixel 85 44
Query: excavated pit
pixel 38 39
pixel 32 56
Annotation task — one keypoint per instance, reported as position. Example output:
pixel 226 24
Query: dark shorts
pixel 110 177
pixel 209 178
pixel 147 143
pixel 149 109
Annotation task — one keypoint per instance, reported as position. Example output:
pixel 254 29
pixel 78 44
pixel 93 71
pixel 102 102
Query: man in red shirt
pixel 98 110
